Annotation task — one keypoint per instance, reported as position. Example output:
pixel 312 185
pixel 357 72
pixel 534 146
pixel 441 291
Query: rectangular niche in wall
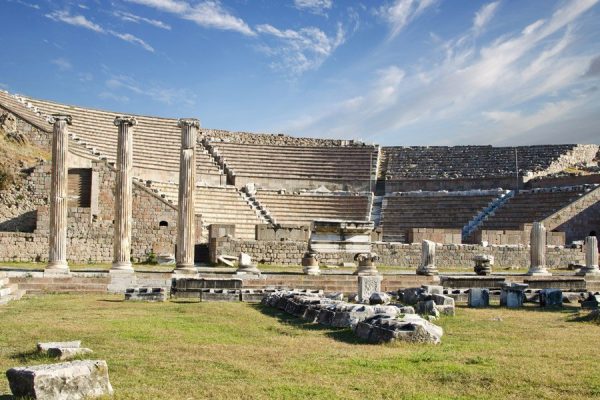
pixel 80 187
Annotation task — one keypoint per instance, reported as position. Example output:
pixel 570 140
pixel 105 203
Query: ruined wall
pixel 397 254
pixel 515 237
pixel 578 219
pixel 438 235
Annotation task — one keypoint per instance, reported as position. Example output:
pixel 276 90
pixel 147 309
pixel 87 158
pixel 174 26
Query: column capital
pixel 125 119
pixel 54 118
pixel 191 122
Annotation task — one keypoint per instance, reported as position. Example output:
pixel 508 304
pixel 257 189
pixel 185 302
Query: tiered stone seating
pixel 16 107
pixel 402 211
pixel 218 205
pixel 529 206
pixel 276 166
pixel 302 209
pixel 156 142
pixel 442 162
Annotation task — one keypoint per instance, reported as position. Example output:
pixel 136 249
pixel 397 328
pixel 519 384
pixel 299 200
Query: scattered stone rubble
pixel 428 300
pixel 373 323
pixel 63 350
pixel 146 294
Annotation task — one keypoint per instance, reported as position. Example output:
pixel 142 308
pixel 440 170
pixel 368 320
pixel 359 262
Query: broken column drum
pixel 538 250
pixel 186 223
pixel 57 257
pixel 366 263
pixel 123 194
pixel 591 257
pixel 427 266
pixel 310 263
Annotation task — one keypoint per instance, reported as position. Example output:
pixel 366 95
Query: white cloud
pixel 594 68
pixel 517 81
pixel 318 7
pixel 484 15
pixel 62 64
pixel 207 13
pixel 26 4
pixel 129 17
pixel 159 93
pixel 128 37
pixel 401 12
pixel 83 22
pixel 75 20
pixel 298 51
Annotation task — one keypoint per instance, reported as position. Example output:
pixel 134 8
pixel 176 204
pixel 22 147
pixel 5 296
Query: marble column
pixel 123 195
pixel 537 252
pixel 57 257
pixel 591 257
pixel 427 266
pixel 186 221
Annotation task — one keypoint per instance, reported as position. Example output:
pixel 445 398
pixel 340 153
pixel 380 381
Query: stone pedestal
pixel 513 295
pixel 483 264
pixel 591 257
pixel 366 264
pixel 186 222
pixel 538 250
pixel 59 197
pixel 479 297
pixel 123 195
pixel 367 285
pixel 551 298
pixel 427 266
pixel 310 264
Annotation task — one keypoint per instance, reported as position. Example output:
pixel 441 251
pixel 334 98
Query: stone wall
pixel 578 219
pixel 456 184
pixel 438 235
pixel 279 139
pixel 35 135
pixel 396 254
pixel 515 237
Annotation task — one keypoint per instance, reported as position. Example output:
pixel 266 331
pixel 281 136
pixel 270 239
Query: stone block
pixel 65 381
pixel 367 285
pixel 45 346
pixel 512 295
pixel 68 353
pixel 478 297
pixel 442 300
pixel 379 298
pixel 551 298
pixel 433 289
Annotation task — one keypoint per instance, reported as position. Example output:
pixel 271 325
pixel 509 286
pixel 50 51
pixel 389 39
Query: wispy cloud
pixel 155 92
pixel 26 4
pixel 400 13
pixel 298 51
pixel 83 22
pixel 484 15
pixel 594 68
pixel 75 20
pixel 318 7
pixel 207 13
pixel 514 83
pixel 129 17
pixel 62 64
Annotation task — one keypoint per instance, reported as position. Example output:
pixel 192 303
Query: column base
pixel 589 271
pixel 428 270
pixel 366 271
pixel 122 266
pixel 57 268
pixel 538 272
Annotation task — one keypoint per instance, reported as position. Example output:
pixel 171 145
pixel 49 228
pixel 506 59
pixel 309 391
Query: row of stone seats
pixel 218 205
pixel 303 208
pixel 156 141
pixel 402 211
pixel 529 206
pixel 443 162
pixel 298 162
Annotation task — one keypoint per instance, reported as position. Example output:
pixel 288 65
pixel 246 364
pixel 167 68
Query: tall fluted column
pixel 537 251
pixel 591 257
pixel 57 257
pixel 186 221
pixel 123 195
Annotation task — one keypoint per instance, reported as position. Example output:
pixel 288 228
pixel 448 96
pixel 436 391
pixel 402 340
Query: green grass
pixel 233 350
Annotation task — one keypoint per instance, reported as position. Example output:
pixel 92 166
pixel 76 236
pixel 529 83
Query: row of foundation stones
pixel 71 380
pixel 381 320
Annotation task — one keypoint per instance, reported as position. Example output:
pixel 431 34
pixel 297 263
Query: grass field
pixel 241 351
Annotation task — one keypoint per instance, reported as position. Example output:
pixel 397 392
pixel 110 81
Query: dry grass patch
pixel 234 350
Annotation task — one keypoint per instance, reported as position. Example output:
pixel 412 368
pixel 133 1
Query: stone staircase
pixel 261 211
pixel 9 291
pixel 478 220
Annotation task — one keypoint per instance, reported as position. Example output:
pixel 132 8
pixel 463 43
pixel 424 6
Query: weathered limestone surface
pixel 513 295
pixel 123 194
pixel 68 353
pixel 310 263
pixel 45 346
pixel 479 297
pixel 245 265
pixel 427 266
pixel 186 227
pixel 591 257
pixel 483 264
pixel 57 258
pixel 366 263
pixel 551 298
pixel 367 285
pixel 537 265
pixel 66 381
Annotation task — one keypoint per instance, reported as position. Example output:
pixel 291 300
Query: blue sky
pixel 396 72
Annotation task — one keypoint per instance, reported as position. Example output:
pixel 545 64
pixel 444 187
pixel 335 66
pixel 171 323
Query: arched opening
pixel 163 223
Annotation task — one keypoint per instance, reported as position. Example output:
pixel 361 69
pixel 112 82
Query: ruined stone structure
pixel 272 188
